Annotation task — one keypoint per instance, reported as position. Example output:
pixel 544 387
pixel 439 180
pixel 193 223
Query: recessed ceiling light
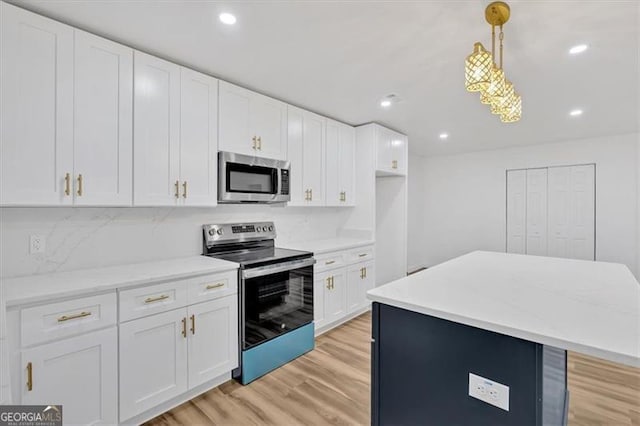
pixel 227 18
pixel 576 112
pixel 385 103
pixel 444 136
pixel 578 49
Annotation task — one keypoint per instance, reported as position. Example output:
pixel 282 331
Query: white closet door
pixel 572 212
pixel 516 211
pixel 537 212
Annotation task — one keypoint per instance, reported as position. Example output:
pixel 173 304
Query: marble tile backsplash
pixel 79 238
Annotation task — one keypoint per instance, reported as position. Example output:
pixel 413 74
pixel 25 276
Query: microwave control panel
pixel 284 178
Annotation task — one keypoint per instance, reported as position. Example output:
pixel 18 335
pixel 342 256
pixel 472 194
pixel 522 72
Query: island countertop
pixel 582 306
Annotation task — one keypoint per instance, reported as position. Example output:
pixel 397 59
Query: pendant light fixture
pixel 484 75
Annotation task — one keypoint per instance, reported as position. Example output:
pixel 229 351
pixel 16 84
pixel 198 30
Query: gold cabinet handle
pixel 76 316
pixel 80 185
pixel 177 186
pixel 184 189
pixel 394 164
pixel 332 282
pixel 255 142
pixel 260 143
pixel 329 262
pixel 193 324
pixel 328 283
pixel 184 327
pixel 306 195
pixel 361 273
pixel 29 376
pixel 365 272
pixel 343 196
pixel 213 286
pixel 311 195
pixel 362 255
pixel 67 184
pixel 156 299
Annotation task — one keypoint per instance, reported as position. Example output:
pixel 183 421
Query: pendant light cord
pixel 501 38
pixel 493 43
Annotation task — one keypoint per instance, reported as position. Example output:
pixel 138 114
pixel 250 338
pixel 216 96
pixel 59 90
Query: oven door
pixel 247 179
pixel 275 299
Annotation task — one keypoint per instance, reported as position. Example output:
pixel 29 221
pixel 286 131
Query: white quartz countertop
pixel 328 245
pixel 39 288
pixel 582 306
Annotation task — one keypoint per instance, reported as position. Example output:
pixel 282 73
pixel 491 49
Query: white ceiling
pixel 339 58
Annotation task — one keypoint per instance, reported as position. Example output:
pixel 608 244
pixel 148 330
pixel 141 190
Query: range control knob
pixel 219 231
pixel 258 229
pixel 271 228
pixel 264 228
pixel 212 232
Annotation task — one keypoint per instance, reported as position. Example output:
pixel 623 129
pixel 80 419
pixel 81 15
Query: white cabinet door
pixel 537 212
pixel 383 149
pixel 103 120
pixel 153 361
pixel 572 212
pixel 81 373
pixel 213 339
pixel 335 296
pixel 156 136
pixel 198 139
pixel 268 120
pixel 399 149
pixel 360 279
pixel 320 286
pixel 516 211
pixel 306 153
pixel 340 164
pixel 296 157
pixel 235 134
pixel 36 140
pixel 391 151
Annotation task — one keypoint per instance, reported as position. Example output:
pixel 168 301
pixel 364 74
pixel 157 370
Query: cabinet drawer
pixel 327 261
pixel 143 301
pixel 57 320
pixel 360 254
pixel 208 287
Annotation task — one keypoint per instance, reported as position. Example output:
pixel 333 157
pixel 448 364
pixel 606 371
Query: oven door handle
pixel 274 269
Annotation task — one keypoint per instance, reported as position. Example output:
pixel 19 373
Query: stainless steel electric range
pixel 275 295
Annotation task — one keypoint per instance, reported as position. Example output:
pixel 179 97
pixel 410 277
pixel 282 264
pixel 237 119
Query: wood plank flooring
pixel 330 386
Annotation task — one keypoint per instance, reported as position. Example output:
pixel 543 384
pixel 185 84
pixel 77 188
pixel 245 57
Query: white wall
pixel 94 237
pixel 463 198
pixel 415 214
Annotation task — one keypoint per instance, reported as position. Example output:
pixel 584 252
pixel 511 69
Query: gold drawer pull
pixel 362 254
pixel 67 184
pixel 330 262
pixel 184 189
pixel 184 327
pixel 155 299
pixel 212 286
pixel 394 164
pixel 177 186
pixel 193 324
pixel 80 185
pixel 76 316
pixel 29 377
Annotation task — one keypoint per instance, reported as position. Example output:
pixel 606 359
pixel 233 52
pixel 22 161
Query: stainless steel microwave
pixel 248 179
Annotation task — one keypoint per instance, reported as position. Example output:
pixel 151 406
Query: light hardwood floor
pixel 330 386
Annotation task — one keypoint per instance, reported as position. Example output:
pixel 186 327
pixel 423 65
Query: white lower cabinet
pixel 80 373
pixel 153 361
pixel 213 340
pixel 164 355
pixel 341 282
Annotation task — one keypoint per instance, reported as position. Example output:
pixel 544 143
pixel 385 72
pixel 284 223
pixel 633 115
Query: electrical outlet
pixel 37 244
pixel 489 391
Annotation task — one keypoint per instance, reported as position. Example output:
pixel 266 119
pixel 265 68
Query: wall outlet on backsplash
pixel 37 244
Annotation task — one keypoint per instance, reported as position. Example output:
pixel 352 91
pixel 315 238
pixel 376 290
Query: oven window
pixel 277 303
pixel 251 179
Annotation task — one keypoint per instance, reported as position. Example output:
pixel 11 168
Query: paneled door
pixel 335 300
pixel 537 212
pixel 360 279
pixel 313 138
pixel 81 373
pixel 572 212
pixel 319 311
pixel 153 361
pixel 516 211
pixel 156 134
pixel 213 339
pixel 103 122
pixel 198 139
pixel 268 119
pixel 340 164
pixel 36 143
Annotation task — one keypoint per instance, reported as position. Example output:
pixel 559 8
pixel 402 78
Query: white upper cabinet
pixel 306 154
pixel 340 164
pixel 103 120
pixel 36 141
pixel 391 152
pixel 156 133
pixel 198 138
pixel 251 124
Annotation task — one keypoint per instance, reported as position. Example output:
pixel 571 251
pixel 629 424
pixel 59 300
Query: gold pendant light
pixel 483 75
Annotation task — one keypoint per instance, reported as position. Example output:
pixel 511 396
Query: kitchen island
pixel 496 326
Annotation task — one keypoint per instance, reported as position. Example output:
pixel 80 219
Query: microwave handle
pixel 274 269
